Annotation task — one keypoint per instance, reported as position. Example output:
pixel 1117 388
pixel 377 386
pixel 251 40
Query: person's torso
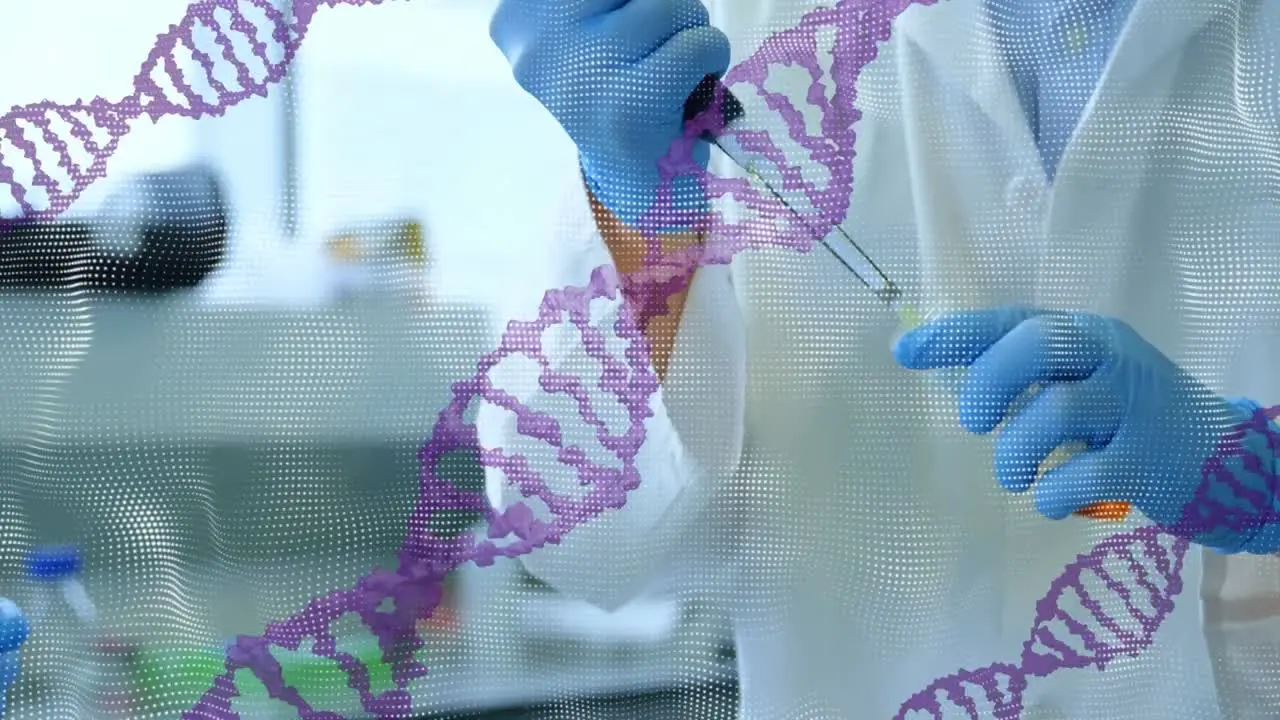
pixel 874 552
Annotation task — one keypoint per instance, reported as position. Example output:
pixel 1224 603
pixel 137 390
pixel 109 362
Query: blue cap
pixel 53 563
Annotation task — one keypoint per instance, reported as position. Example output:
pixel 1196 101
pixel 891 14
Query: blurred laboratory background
pixel 218 366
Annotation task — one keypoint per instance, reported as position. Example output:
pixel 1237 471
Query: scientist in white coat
pixel 1096 158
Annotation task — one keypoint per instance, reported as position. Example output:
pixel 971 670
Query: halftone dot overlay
pixel 67 147
pixel 1111 601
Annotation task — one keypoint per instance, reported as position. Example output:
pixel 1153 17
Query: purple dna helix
pixel 414 588
pixel 1109 603
pixel 1081 635
pixel 64 148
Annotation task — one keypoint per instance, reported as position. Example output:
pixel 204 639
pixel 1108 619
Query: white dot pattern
pixel 850 530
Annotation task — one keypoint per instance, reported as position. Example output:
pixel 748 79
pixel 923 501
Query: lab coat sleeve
pixel 693 439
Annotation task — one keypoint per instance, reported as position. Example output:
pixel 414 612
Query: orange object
pixel 1105 511
pixel 1113 511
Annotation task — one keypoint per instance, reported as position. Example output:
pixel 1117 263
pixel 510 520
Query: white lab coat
pixel 865 550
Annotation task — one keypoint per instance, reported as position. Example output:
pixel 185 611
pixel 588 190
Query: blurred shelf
pixel 175 368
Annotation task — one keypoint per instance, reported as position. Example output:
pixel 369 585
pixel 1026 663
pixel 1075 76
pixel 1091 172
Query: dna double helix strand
pixel 1110 602
pixel 855 28
pixel 54 174
pixel 425 559
pixel 1073 627
pixel 51 152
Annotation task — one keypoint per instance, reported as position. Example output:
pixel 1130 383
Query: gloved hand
pixel 616 75
pixel 1149 425
pixel 13 632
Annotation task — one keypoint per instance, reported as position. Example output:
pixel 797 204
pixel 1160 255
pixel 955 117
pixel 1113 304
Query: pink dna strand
pixel 1110 602
pixel 390 602
pixel 414 587
pixel 61 149
pixel 1089 631
pixel 856 27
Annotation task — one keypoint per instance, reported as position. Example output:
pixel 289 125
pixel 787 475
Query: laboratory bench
pixel 163 430
pixel 684 676
pixel 709 701
pixel 220 466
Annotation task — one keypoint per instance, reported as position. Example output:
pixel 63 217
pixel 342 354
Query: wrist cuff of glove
pixel 1252 469
pixel 634 199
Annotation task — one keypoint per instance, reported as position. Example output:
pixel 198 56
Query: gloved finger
pixel 1057 415
pixel 641 27
pixel 516 22
pixel 689 56
pixel 13 626
pixel 957 339
pixel 667 77
pixel 1086 478
pixel 1047 348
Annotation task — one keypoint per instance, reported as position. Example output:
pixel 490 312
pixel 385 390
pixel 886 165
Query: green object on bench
pixel 177 678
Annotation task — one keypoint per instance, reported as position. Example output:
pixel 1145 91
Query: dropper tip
pixel 889 293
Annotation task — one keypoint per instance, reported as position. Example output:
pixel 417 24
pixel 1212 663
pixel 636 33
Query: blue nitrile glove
pixel 1150 426
pixel 616 75
pixel 13 632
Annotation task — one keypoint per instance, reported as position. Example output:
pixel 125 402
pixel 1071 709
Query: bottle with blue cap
pixel 57 568
pixel 64 624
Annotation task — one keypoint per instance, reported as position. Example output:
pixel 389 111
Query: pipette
pixel 841 245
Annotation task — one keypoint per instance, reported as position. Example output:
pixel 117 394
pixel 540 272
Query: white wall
pixel 401 107
pixel 59 50
pixel 408 106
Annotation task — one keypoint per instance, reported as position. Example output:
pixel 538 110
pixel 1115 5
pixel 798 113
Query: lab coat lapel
pixel 1143 64
pixel 952 43
pixel 1078 270
pixel 1156 30
pixel 957 37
